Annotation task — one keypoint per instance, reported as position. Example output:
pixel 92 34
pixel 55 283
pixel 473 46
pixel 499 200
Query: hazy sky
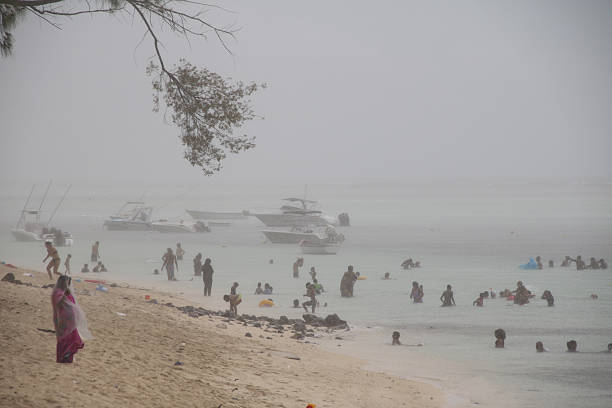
pixel 357 90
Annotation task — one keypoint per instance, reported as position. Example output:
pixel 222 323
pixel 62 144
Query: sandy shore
pixel 131 360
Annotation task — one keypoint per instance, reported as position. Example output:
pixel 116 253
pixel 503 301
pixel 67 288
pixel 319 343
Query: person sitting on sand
pixel 197 265
pixel 259 289
pixel 572 346
pixel 549 297
pixel 310 292
pixel 234 301
pixel 395 339
pixel 55 259
pixel 69 321
pixel 169 263
pixel 540 347
pixel 233 288
pixel 267 289
pixel 67 264
pixel 603 264
pixel 479 301
pixel 593 264
pixel 447 297
pixel 85 268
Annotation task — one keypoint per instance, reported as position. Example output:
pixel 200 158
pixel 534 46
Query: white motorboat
pixel 217 215
pixel 290 215
pixel 179 227
pixel 133 216
pixel 29 227
pixel 299 234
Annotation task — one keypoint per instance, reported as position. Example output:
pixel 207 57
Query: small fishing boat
pixel 30 228
pixel 298 234
pixel 320 248
pixel 132 216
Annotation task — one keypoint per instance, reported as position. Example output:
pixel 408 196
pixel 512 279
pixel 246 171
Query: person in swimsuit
pixel 310 292
pixel 414 293
pixel 549 297
pixel 169 263
pixel 447 297
pixel 95 252
pixel 179 252
pixel 67 264
pixel 207 276
pixel 55 259
pixel 234 301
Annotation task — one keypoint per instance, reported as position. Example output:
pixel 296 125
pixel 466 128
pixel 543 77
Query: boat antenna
pixel 305 195
pixel 58 205
pixel 25 206
pixel 44 198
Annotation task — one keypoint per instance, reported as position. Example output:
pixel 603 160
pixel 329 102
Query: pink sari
pixel 68 319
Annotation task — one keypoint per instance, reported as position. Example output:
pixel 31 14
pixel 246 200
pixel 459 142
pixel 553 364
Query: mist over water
pixel 470 235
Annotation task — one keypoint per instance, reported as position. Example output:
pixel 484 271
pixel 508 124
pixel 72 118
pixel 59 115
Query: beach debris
pixel 221 326
pixel 593 295
pixel 147 297
pixel 49 285
pixel 247 334
pixel 114 285
pixel 121 314
pixel 178 363
pixel 9 277
pixel 283 320
pixel 102 288
pixel 154 301
pixel 29 275
pixel 311 405
pixel 46 330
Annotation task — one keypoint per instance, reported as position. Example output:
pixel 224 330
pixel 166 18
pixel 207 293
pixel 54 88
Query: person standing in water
pixel 197 265
pixel 169 263
pixel 67 264
pixel 310 292
pixel 207 276
pixel 313 273
pixel 296 267
pixel 233 288
pixel 55 259
pixel 95 251
pixel 347 282
pixel 179 252
pixel 447 297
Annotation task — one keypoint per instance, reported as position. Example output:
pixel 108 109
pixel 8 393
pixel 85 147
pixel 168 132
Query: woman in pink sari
pixel 69 320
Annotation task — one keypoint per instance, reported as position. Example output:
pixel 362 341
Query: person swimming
pixel 313 273
pixel 259 290
pixel 572 346
pixel 547 295
pixel 267 289
pixel 447 297
pixel 521 294
pixel 479 301
pixel 500 338
pixel 593 264
pixel 395 339
pixel 415 291
pixel 317 286
pixel 85 268
pixel 603 264
pixel 540 347
pixel 387 276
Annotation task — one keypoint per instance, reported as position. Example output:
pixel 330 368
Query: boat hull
pixel 292 220
pixel 320 249
pixel 288 237
pixel 113 225
pixel 25 236
pixel 215 215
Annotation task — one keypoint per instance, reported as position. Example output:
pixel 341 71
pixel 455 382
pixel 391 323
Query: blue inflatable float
pixel 529 265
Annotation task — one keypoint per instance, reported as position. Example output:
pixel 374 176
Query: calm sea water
pixel 472 236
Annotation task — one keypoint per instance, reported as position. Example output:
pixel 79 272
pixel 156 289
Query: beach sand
pixel 131 360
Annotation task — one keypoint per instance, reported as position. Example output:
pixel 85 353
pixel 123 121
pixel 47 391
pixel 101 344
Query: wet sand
pixel 131 360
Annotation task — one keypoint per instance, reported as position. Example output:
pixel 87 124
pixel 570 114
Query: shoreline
pixel 136 343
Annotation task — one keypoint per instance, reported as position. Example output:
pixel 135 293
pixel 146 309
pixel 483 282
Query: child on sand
pixel 55 259
pixel 234 301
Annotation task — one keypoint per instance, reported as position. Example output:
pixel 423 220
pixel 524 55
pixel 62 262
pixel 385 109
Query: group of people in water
pixel 581 265
pixel 55 260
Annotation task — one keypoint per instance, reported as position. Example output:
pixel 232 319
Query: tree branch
pixel 20 3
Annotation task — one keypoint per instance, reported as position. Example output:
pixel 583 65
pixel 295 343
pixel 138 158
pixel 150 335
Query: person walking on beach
pixel 169 263
pixel 207 275
pixel 95 252
pixel 197 265
pixel 179 252
pixel 55 259
pixel 67 264
pixel 447 297
pixel 69 321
